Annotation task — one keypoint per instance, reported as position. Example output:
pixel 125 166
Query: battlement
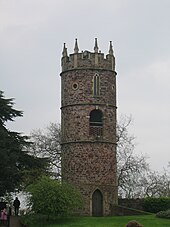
pixel 87 59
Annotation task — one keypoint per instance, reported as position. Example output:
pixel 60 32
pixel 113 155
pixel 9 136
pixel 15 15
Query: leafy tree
pixel 15 161
pixel 51 197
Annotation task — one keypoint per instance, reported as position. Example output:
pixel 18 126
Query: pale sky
pixel 32 33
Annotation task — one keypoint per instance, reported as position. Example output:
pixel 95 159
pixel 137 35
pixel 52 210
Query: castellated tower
pixel 88 125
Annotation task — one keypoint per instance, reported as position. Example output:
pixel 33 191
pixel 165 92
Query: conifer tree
pixel 16 165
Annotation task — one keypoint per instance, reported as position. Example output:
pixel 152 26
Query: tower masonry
pixel 88 127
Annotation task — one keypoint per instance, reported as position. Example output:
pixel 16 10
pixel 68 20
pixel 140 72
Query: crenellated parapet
pixel 87 59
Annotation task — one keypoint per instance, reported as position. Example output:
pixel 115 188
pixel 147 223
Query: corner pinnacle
pixel 64 51
pixel 76 49
pixel 96 46
pixel 111 48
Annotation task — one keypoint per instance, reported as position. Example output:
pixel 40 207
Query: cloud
pixel 31 37
pixel 144 93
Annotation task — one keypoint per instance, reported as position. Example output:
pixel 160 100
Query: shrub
pixel 133 224
pixel 155 205
pixel 163 214
pixel 51 197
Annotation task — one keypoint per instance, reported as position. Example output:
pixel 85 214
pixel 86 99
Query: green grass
pixel 146 220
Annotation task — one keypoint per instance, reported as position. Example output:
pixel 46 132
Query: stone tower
pixel 88 126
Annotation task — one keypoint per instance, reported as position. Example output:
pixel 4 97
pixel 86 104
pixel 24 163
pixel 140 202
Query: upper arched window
pixel 96 122
pixel 96 85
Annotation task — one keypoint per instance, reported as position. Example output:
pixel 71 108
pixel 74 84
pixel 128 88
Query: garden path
pixel 14 221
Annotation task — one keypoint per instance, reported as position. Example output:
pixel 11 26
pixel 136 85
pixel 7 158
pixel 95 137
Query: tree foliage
pixel 51 197
pixel 15 162
pixel 7 113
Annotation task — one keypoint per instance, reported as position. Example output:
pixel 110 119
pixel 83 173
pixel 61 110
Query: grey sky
pixel 32 33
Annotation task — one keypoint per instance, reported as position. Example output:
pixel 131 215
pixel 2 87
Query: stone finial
pixel 96 46
pixel 111 48
pixel 76 49
pixel 64 51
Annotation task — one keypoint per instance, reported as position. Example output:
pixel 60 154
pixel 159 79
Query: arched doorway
pixel 97 203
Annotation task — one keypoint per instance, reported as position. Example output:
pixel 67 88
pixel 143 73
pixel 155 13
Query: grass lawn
pixel 146 220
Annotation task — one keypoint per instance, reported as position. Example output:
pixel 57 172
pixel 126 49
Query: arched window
pixel 96 122
pixel 96 85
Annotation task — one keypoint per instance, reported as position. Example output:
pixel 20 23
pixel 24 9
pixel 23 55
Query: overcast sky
pixel 32 33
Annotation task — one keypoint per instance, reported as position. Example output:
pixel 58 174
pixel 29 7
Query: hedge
pixel 155 205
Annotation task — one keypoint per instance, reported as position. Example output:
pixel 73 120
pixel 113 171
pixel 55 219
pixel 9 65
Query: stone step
pixel 14 221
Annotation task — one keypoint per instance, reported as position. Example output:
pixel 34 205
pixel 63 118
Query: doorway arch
pixel 97 203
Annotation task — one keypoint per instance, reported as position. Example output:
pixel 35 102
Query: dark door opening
pixel 97 203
